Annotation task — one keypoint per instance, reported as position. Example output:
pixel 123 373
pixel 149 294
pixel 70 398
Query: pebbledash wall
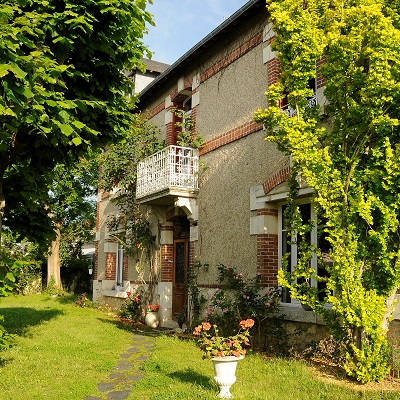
pixel 235 218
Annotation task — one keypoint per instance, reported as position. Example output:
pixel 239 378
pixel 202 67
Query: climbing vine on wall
pixel 348 151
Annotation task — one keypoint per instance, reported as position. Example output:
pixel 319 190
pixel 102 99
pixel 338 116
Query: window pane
pixel 180 262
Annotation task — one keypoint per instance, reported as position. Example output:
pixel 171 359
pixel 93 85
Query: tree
pixel 72 206
pixel 348 151
pixel 63 91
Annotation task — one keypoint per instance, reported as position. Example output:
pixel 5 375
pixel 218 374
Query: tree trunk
pixel 53 260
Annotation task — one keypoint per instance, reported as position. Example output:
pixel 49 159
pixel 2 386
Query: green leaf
pixel 77 141
pixel 18 72
pixel 66 129
pixel 4 68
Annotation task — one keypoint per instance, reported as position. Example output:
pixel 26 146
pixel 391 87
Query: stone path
pixel 127 371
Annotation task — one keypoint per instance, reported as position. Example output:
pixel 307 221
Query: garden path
pixel 127 371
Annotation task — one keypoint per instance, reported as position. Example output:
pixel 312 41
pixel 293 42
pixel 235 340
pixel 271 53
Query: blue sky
pixel 180 24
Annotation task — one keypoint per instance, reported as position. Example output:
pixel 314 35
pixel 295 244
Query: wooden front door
pixel 179 288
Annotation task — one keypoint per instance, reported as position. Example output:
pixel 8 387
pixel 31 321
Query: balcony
pixel 168 174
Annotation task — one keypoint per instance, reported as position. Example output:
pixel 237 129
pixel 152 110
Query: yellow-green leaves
pixel 349 156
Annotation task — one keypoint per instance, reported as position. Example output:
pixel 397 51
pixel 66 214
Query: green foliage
pixel 63 92
pixel 52 289
pixel 132 307
pixel 241 298
pixel 6 339
pixel 118 169
pixel 83 301
pixel 75 275
pixel 187 137
pixel 9 271
pixel 351 159
pixel 196 299
pixel 29 275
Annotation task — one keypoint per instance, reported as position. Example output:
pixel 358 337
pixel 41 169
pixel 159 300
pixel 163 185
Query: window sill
pixel 115 293
pixel 296 313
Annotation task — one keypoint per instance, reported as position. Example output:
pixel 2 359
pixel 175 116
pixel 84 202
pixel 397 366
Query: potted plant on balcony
pixel 224 352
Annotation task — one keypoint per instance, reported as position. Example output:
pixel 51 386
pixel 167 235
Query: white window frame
pixel 293 251
pixel 119 266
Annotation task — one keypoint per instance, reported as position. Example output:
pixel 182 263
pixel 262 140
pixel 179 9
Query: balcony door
pixel 179 286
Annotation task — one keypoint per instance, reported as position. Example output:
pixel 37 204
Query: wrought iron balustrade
pixel 174 167
pixel 312 102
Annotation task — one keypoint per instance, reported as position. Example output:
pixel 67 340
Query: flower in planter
pixel 214 345
pixel 153 307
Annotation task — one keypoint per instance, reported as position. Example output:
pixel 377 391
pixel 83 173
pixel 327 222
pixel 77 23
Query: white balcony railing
pixel 312 102
pixel 169 168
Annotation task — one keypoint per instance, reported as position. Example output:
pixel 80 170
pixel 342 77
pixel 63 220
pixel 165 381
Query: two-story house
pixel 230 210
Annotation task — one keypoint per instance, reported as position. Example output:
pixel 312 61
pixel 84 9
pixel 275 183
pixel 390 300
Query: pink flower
pixel 267 304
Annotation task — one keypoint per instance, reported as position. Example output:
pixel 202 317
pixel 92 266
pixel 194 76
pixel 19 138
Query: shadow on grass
pixel 17 320
pixel 190 376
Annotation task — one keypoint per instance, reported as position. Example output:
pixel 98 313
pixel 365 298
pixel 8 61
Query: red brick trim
pixel 228 137
pixel 167 255
pixel 156 110
pixel 273 71
pixel 111 265
pixel 267 259
pixel 276 179
pixel 232 57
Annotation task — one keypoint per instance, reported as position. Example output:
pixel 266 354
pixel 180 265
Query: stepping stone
pixel 91 398
pixel 117 376
pixel 126 355
pixel 142 358
pixel 123 366
pixel 105 387
pixel 133 350
pixel 119 395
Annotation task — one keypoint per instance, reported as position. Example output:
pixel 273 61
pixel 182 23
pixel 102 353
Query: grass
pixel 63 351
pixel 177 366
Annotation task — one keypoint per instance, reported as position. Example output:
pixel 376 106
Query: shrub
pixel 241 298
pixel 83 301
pixel 132 307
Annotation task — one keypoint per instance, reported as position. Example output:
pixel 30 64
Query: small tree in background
pixel 349 153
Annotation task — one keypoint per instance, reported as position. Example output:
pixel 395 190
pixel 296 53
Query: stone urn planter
pixel 152 319
pixel 225 374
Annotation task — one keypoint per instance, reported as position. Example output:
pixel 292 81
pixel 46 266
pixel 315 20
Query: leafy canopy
pixel 62 90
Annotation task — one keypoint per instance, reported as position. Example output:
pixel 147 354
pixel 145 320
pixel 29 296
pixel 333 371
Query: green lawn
pixel 176 371
pixel 63 351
